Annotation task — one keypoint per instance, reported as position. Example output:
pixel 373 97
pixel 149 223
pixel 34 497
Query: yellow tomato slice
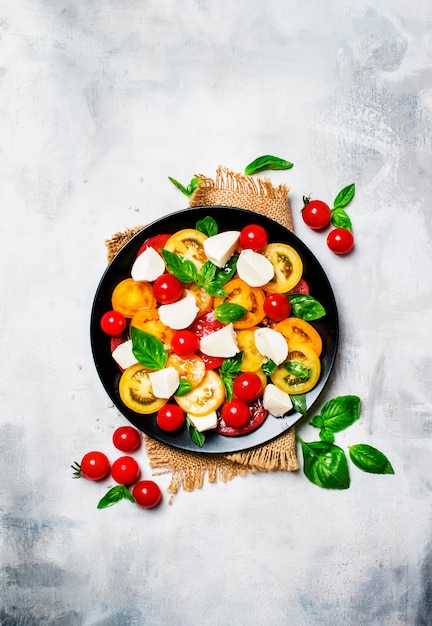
pixel 207 397
pixel 288 267
pixel 297 330
pixel 252 359
pixel 136 391
pixel 203 300
pixel 129 296
pixel 293 384
pixel 189 244
pixel 148 321
pixel 191 369
pixel 252 298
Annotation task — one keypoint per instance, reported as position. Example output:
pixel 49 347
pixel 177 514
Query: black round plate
pixel 228 219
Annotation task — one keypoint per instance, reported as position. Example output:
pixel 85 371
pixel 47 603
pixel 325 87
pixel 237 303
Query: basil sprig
pixel 207 226
pixel 369 459
pixel 114 495
pixel 336 415
pixel 148 349
pixel 228 371
pixel 325 464
pixel 183 269
pixel 212 278
pixel 197 437
pixel 339 217
pixel 306 307
pixel 267 162
pixel 229 312
pixel 189 189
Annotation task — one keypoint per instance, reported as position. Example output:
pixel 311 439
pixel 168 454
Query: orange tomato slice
pixel 148 321
pixel 252 359
pixel 191 369
pixel 136 391
pixel 189 244
pixel 208 396
pixel 129 296
pixel 252 298
pixel 288 267
pixel 203 299
pixel 297 330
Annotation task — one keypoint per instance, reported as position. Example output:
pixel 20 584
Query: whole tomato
pixel 147 493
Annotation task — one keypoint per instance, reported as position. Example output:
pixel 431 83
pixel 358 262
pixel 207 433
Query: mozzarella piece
pixel 205 422
pixel 272 344
pixel 276 401
pixel 164 382
pixel 180 314
pixel 254 268
pixel 222 343
pixel 149 265
pixel 219 248
pixel 123 355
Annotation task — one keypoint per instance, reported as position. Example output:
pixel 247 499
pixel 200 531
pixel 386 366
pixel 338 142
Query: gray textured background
pixel 99 103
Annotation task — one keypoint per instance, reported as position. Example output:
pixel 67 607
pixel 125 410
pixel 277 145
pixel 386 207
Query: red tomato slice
pixel 258 416
pixel 157 242
pixel 206 325
pixel 301 287
pixel 211 362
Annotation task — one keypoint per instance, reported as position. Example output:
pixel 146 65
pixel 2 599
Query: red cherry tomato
pixel 94 465
pixel 316 214
pixel 185 343
pixel 211 362
pixel 147 493
pixel 258 415
pixel 253 237
pixel 125 470
pixel 206 325
pixel 113 323
pixel 340 240
pixel 157 242
pixel 235 413
pixel 126 439
pixel 167 289
pixel 170 417
pixel 247 386
pixel 277 307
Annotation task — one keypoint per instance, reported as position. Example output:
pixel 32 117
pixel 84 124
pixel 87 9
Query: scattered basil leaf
pixel 306 307
pixel 299 402
pixel 183 269
pixel 369 459
pixel 189 190
pixel 148 350
pixel 326 434
pixel 297 369
pixel 114 495
pixel 341 219
pixel 344 196
pixel 197 437
pixel 207 226
pixel 338 413
pixel 267 162
pixel 269 367
pixel 229 312
pixel 325 464
pixel 228 371
pixel 184 387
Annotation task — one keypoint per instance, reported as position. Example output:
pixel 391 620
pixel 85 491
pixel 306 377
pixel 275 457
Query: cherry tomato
pixel 170 417
pixel 253 237
pixel 147 493
pixel 94 465
pixel 247 386
pixel 126 439
pixel 185 343
pixel 167 289
pixel 258 415
pixel 316 214
pixel 235 413
pixel 125 470
pixel 157 242
pixel 206 325
pixel 211 362
pixel 277 306
pixel 113 323
pixel 340 240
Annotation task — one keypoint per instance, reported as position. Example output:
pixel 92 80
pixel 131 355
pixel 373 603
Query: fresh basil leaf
pixel 326 434
pixel 189 190
pixel 184 387
pixel 229 312
pixel 341 219
pixel 232 364
pixel 213 289
pixel 317 421
pixel 183 269
pixel 148 350
pixel 206 273
pixel 193 185
pixel 339 413
pixel 344 196
pixel 297 369
pixel 197 437
pixel 207 226
pixel 325 464
pixel 369 459
pixel 269 367
pixel 267 162
pixel 299 403
pixel 114 495
pixel 306 307
pixel 224 274
pixel 227 381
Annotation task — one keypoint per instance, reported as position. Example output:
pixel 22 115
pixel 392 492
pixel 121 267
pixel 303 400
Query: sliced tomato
pixel 252 359
pixel 206 325
pixel 258 415
pixel 203 299
pixel 208 396
pixel 291 384
pixel 297 330
pixel 129 296
pixel 191 368
pixel 211 362
pixel 288 267
pixel 301 287
pixel 252 298
pixel 157 243
pixel 148 321
pixel 136 391
pixel 189 244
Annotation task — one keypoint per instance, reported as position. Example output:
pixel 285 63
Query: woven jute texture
pixel 188 469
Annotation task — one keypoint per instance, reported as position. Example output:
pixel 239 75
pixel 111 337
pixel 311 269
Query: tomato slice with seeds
pixel 148 321
pixel 297 330
pixel 252 298
pixel 288 267
pixel 292 384
pixel 252 359
pixel 136 391
pixel 191 368
pixel 129 296
pixel 206 325
pixel 189 244
pixel 258 415
pixel 203 300
pixel 205 398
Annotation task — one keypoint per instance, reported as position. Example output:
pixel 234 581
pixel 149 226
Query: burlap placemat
pixel 188 469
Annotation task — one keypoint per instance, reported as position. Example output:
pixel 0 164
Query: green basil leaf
pixel 114 495
pixel 297 369
pixel 339 413
pixel 325 464
pixel 269 367
pixel 326 434
pixel 184 387
pixel 306 307
pixel 344 196
pixel 213 289
pixel 188 191
pixel 148 350
pixel 227 381
pixel 207 226
pixel 193 185
pixel 341 219
pixel 183 269
pixel 267 162
pixel 232 364
pixel 229 312
pixel 206 273
pixel 299 402
pixel 317 421
pixel 224 274
pixel 369 459
pixel 197 437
